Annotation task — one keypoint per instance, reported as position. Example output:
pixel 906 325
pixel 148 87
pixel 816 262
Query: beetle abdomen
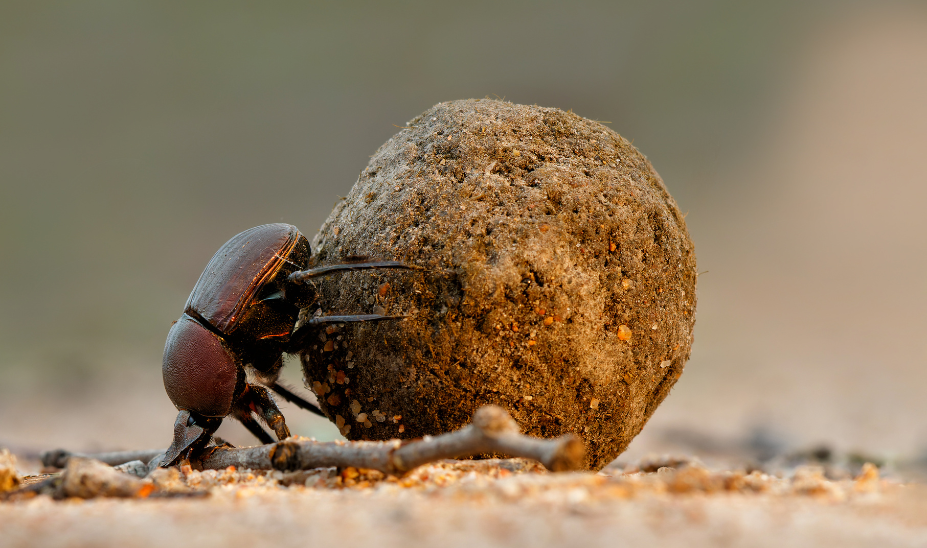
pixel 200 373
pixel 238 271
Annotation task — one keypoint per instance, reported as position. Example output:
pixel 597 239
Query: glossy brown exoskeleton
pixel 241 317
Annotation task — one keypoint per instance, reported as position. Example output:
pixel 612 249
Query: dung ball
pixel 558 281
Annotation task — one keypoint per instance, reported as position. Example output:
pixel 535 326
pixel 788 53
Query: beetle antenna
pixel 303 275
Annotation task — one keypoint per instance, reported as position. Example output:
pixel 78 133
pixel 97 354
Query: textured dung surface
pixel 549 240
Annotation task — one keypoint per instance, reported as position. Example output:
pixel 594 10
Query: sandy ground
pixel 488 503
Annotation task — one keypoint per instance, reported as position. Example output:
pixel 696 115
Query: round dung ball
pixel 558 281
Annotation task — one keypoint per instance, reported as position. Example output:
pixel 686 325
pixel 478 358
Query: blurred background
pixel 136 138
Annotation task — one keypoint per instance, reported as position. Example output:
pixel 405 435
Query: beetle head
pixel 200 373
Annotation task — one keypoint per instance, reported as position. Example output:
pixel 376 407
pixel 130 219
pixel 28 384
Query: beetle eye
pixel 200 373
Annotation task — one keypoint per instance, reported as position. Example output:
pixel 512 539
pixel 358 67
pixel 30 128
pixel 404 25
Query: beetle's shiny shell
pixel 238 271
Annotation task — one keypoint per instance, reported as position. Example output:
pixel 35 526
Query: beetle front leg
pixel 191 433
pixel 243 415
pixel 263 404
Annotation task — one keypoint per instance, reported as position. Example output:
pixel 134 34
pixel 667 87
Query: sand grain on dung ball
pixel 560 281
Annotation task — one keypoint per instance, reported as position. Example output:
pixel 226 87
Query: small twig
pixel 85 478
pixel 492 431
pixel 88 478
pixel 58 458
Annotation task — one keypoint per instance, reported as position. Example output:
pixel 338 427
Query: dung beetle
pixel 241 318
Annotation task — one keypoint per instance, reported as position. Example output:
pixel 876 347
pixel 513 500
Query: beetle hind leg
pixel 296 400
pixel 298 338
pixel 269 379
pixel 302 276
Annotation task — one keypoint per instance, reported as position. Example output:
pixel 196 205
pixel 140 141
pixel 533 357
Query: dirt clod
pixel 511 209
pixel 9 478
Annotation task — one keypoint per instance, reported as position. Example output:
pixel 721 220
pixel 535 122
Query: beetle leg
pixel 191 433
pixel 299 336
pixel 301 276
pixel 289 396
pixel 245 418
pixel 269 379
pixel 352 318
pixel 266 408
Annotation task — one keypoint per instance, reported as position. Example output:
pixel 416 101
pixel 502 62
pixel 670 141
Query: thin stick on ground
pixel 58 458
pixel 492 431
